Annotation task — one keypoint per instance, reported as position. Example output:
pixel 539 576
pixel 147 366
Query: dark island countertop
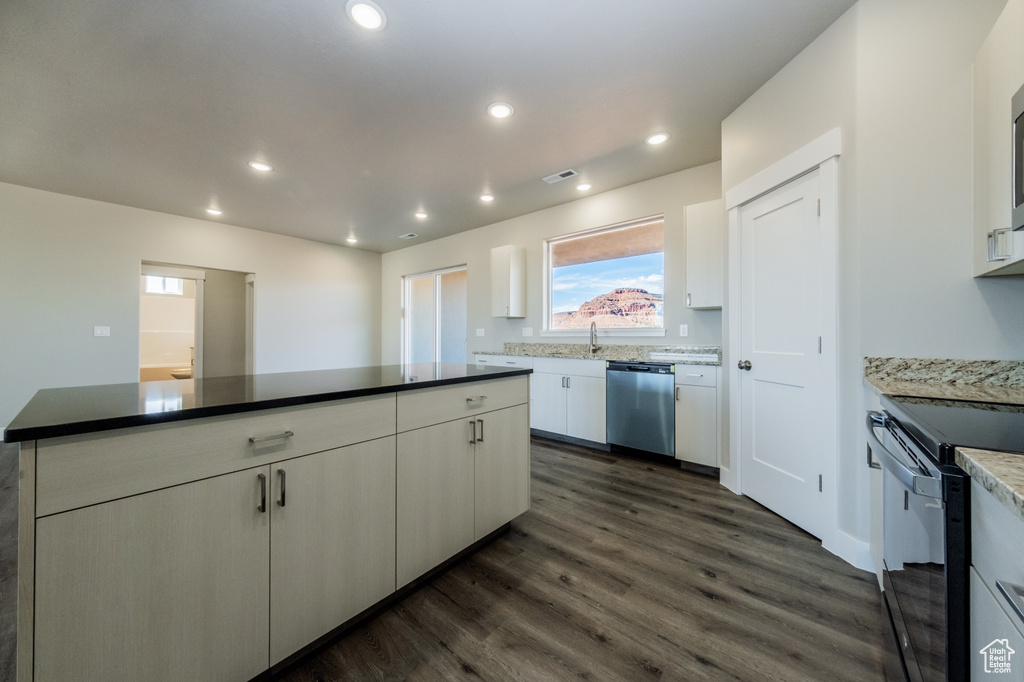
pixel 55 412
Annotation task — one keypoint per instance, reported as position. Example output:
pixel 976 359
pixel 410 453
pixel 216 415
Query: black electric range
pixel 926 526
pixel 941 426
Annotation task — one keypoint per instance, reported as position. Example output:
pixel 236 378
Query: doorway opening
pixel 434 324
pixel 194 322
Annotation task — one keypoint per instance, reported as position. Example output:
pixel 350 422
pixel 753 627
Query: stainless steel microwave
pixel 1017 119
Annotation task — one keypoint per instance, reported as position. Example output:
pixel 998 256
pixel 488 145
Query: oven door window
pixel 914 554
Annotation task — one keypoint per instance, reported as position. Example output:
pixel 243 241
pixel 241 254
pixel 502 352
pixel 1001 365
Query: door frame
pixel 822 154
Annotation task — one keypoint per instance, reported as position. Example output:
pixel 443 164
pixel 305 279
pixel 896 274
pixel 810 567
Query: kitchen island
pixel 216 529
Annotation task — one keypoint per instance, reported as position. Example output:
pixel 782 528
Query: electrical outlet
pixel 527 331
pixel 101 331
pixel 479 332
pixel 684 330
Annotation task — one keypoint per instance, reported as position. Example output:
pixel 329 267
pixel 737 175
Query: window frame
pixel 546 329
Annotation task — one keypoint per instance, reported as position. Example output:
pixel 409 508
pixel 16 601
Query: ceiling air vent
pixel 558 177
pixel 410 235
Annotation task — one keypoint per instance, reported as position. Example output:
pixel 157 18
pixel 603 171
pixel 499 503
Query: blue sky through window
pixel 574 285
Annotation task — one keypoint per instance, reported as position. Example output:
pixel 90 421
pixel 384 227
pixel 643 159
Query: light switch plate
pixel 479 332
pixel 684 330
pixel 527 331
pixel 101 331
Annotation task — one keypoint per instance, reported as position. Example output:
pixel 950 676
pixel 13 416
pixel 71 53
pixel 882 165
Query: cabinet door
pixel 548 394
pixel 585 409
pixel 169 585
pixel 697 424
pixel 502 490
pixel 435 496
pixel 333 547
pixel 705 254
pixel 993 635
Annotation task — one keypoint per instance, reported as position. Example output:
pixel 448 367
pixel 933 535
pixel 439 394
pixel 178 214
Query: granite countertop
pixel 689 355
pixel 55 412
pixel 1000 381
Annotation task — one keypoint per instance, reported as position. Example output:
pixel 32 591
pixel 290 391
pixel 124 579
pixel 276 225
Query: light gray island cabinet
pixel 216 547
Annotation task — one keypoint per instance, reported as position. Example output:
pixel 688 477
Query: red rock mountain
pixel 618 308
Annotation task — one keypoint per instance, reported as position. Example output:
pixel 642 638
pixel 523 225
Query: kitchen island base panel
pixel 117 589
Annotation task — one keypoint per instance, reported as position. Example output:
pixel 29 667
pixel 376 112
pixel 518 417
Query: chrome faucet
pixel 593 338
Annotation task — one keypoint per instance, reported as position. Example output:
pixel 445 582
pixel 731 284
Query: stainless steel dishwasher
pixel 641 409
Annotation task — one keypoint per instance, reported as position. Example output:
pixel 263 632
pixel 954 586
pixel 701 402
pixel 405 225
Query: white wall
pixel 668 194
pixel 71 263
pixel 896 77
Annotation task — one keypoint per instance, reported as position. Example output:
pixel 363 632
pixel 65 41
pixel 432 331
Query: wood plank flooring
pixel 626 570
pixel 621 570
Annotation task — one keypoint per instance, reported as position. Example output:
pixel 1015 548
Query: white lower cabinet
pixel 993 636
pixel 569 398
pixel 697 414
pixel 332 540
pixel 169 585
pixel 435 496
pixel 457 482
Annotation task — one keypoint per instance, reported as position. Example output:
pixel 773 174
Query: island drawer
pixel 77 471
pixel 428 406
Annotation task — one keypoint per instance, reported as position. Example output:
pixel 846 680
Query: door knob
pixel 744 364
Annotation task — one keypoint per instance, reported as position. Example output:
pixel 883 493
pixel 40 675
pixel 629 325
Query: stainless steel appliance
pixel 926 512
pixel 640 406
pixel 1017 172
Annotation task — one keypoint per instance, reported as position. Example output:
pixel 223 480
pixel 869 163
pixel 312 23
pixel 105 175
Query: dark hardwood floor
pixel 621 570
pixel 626 570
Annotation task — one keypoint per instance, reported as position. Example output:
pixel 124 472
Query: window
pixel 613 276
pixel 165 285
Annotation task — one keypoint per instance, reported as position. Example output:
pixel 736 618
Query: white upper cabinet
pixel 998 74
pixel 508 281
pixel 705 253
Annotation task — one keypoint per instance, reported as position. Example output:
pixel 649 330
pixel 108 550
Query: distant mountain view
pixel 617 309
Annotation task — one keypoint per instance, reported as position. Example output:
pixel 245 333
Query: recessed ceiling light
pixel 351 240
pixel 421 215
pixel 366 13
pixel 583 188
pixel 214 211
pixel 656 138
pixel 500 110
pixel 486 197
pixel 260 166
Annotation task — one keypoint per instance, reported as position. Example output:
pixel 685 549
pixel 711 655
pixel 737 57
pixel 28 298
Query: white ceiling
pixel 160 104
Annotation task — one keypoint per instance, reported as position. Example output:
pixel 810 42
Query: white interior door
pixel 781 395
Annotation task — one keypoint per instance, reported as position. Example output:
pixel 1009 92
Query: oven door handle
pixel 917 483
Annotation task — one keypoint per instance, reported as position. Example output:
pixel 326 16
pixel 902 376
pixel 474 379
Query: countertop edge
pixel 29 433
pixel 999 473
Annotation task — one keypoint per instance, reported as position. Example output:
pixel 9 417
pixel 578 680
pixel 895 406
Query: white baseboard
pixel 854 552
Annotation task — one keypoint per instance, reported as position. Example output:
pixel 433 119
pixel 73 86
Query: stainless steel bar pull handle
pixel 1015 595
pixel 677 394
pixel 472 431
pixel 277 436
pixel 481 438
pixel 263 493
pixel 473 400
pixel 280 472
